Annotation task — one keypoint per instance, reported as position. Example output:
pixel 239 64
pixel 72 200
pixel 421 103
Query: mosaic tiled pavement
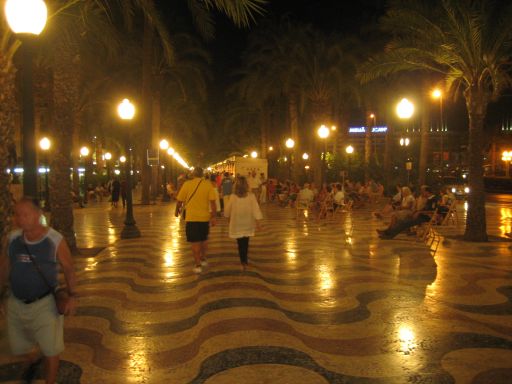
pixel 323 302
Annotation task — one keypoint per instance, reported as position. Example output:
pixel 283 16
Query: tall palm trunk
pixel 293 115
pixel 265 121
pixel 476 226
pixel 146 108
pixel 65 97
pixel 7 118
pixel 320 110
pixel 367 147
pixel 155 133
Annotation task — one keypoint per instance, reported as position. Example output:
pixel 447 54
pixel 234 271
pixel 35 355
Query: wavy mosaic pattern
pixel 322 302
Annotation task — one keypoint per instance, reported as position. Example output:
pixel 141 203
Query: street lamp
pixel 405 110
pixel 437 94
pixel 507 158
pixel 323 133
pixel 290 143
pixel 349 150
pixel 45 145
pixel 254 154
pixel 108 156
pixel 84 152
pixel 27 19
pixel 305 156
pixel 164 146
pixel 126 111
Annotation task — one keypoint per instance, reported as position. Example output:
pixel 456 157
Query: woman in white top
pixel 243 211
pixel 406 208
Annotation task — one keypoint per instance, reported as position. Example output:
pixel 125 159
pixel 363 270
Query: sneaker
pixel 204 263
pixel 197 269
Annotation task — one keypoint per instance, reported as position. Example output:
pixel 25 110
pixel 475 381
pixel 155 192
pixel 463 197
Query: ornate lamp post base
pixel 130 231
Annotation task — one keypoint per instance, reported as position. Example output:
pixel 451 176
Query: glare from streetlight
pixel 122 159
pixel 404 109
pixel 271 148
pixel 170 151
pixel 26 16
pixel 84 151
pixel 372 116
pixel 306 167
pixel 108 156
pixel 323 132
pixel 290 143
pixel 254 154
pixel 126 110
pixel 333 128
pixel 349 149
pixel 305 156
pixel 45 143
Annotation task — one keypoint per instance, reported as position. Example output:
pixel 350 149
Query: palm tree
pixel 8 47
pixel 467 42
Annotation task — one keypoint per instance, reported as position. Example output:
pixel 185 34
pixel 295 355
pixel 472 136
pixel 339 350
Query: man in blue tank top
pixel 34 325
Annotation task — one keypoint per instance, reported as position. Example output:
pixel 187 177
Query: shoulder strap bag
pixel 59 294
pixel 184 210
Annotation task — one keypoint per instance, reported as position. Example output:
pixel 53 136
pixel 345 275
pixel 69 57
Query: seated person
pixel 417 218
pixel 339 196
pixel 394 203
pixel 446 200
pixel 306 195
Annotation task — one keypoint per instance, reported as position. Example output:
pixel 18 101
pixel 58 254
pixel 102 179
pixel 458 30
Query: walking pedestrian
pixel 34 325
pixel 198 199
pixel 115 188
pixel 244 213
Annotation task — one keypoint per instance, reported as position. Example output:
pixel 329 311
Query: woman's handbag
pixel 60 295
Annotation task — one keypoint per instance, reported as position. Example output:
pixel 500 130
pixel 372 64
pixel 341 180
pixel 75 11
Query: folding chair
pixel 302 206
pixel 425 230
pixel 451 215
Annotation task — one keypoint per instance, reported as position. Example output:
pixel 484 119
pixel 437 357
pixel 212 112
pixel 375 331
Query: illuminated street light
pixel 122 159
pixel 405 109
pixel 126 112
pixel 404 141
pixel 84 151
pixel 164 144
pixel 323 132
pixel 45 145
pixel 27 19
pixel 290 143
pixel 349 150
pixel 271 148
pixel 170 151
pixel 254 154
pixel 305 156
pixel 108 156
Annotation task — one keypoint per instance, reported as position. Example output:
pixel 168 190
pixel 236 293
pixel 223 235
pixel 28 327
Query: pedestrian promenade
pixel 322 302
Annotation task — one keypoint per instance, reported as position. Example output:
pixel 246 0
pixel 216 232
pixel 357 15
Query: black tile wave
pixel 69 372
pixel 239 357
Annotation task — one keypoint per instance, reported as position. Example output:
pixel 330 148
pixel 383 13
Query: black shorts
pixel 197 231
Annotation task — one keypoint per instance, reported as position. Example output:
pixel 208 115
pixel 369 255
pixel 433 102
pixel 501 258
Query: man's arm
pixel 66 262
pixel 213 212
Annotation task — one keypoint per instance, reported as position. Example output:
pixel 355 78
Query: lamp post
pixel 27 19
pixel 290 143
pixel 126 111
pixel 437 94
pixel 45 145
pixel 254 154
pixel 164 146
pixel 507 158
pixel 349 150
pixel 404 110
pixel 373 120
pixel 84 152
pixel 323 133
pixel 108 157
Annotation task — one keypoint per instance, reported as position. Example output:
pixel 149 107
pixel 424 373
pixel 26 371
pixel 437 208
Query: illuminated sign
pixel 379 129
pixel 356 130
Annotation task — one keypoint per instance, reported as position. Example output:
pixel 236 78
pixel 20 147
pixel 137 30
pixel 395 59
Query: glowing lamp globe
pixel 170 151
pixel 290 143
pixel 164 144
pixel 122 159
pixel 108 156
pixel 45 144
pixel 404 109
pixel 26 16
pixel 254 154
pixel 305 156
pixel 349 149
pixel 126 110
pixel 323 132
pixel 84 151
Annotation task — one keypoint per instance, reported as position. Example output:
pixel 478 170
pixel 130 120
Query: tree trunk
pixel 367 147
pixel 476 226
pixel 320 112
pixel 65 96
pixel 147 73
pixel 424 144
pixel 7 119
pixel 293 115
pixel 155 133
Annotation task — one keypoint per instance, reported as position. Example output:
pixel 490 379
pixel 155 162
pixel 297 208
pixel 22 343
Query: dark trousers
pixel 405 224
pixel 243 249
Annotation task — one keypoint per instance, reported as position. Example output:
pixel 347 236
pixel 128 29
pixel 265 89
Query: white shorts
pixel 35 324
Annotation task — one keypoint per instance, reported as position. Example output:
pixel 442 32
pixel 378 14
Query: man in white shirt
pixel 306 194
pixel 254 184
